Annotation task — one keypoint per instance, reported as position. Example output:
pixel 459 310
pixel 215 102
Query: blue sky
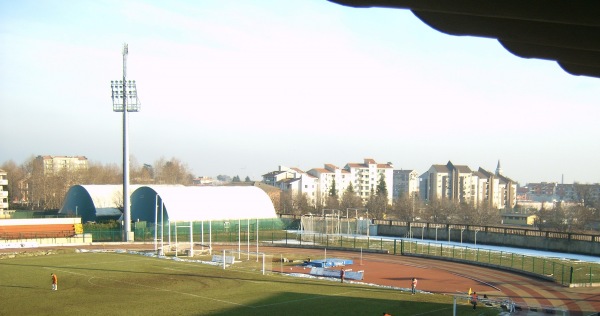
pixel 240 87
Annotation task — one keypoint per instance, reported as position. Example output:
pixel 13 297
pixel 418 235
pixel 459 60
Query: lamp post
pixel 124 97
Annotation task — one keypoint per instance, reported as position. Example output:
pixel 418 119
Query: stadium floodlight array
pixel 125 99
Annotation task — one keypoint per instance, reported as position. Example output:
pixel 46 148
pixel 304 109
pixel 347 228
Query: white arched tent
pixel 92 201
pixel 184 205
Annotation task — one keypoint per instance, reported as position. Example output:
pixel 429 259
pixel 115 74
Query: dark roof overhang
pixel 567 32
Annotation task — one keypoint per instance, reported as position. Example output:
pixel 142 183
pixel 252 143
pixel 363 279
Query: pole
pixel 126 211
pixel 191 254
pixel 162 229
pixel 155 222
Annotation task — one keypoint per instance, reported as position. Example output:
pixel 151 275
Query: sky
pixel 242 87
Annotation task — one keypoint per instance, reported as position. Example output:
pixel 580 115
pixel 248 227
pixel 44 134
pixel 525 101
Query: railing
pixel 571 274
pixel 495 229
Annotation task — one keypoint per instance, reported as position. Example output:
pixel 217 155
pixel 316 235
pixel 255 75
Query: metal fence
pixel 566 273
pixel 569 273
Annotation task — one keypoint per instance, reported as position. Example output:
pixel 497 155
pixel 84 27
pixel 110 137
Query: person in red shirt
pixel 413 288
pixel 474 300
pixel 54 282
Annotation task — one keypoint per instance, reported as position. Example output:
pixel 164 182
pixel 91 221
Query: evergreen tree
pixel 333 191
pixel 381 186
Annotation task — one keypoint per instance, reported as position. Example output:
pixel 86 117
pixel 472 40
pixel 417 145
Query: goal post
pixel 247 261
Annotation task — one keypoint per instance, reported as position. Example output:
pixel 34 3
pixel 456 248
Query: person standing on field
pixel 474 300
pixel 413 286
pixel 54 282
pixel 342 272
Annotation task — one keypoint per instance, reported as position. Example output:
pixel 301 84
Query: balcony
pixel 3 181
pixel 3 193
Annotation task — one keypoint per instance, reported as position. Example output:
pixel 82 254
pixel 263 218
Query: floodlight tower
pixel 124 97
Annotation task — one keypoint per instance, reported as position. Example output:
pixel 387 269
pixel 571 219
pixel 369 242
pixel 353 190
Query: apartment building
pixel 449 181
pixel 365 177
pixel 3 191
pixel 328 177
pixel 318 182
pixel 460 184
pixel 293 180
pixel 405 182
pixel 54 164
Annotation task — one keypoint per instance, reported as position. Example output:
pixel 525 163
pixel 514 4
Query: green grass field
pixel 119 284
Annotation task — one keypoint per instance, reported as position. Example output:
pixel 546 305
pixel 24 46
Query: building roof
pixel 91 201
pixel 202 203
pixel 182 203
pixel 567 32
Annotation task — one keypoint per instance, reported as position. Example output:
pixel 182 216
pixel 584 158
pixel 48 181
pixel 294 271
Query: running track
pixel 394 270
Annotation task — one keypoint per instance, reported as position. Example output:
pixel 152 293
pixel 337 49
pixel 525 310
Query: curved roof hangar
pixel 92 201
pixel 201 203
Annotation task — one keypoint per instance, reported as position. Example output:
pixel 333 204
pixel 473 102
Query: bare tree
pixel 406 207
pixel 350 199
pixel 438 211
pixel 172 172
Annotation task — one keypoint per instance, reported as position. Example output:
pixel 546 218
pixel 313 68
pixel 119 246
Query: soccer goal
pixel 244 260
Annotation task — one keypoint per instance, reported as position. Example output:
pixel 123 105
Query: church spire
pixel 498 169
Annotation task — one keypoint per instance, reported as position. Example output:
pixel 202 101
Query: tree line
pixel 579 217
pixel 29 187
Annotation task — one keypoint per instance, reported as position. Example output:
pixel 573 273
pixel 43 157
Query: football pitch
pixel 109 283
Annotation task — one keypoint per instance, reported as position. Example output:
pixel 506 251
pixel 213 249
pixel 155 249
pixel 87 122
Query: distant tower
pixel 498 169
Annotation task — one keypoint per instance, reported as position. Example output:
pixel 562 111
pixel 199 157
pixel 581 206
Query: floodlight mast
pixel 124 97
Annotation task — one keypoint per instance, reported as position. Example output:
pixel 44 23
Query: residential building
pixel 317 183
pixel 478 188
pixel 293 180
pixel 449 181
pixel 54 164
pixel 328 177
pixel 3 191
pixel 366 176
pixel 405 182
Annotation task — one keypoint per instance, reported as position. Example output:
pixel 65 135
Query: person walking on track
pixel 413 286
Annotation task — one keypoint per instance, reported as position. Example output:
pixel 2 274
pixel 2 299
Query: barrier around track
pixel 509 306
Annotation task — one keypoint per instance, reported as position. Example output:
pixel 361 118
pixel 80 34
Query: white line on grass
pixel 152 287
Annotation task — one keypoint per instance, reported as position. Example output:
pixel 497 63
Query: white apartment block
pixel 405 182
pixel 478 188
pixel 293 180
pixel 327 176
pixel 365 177
pixel 54 164
pixel 318 182
pixel 3 191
